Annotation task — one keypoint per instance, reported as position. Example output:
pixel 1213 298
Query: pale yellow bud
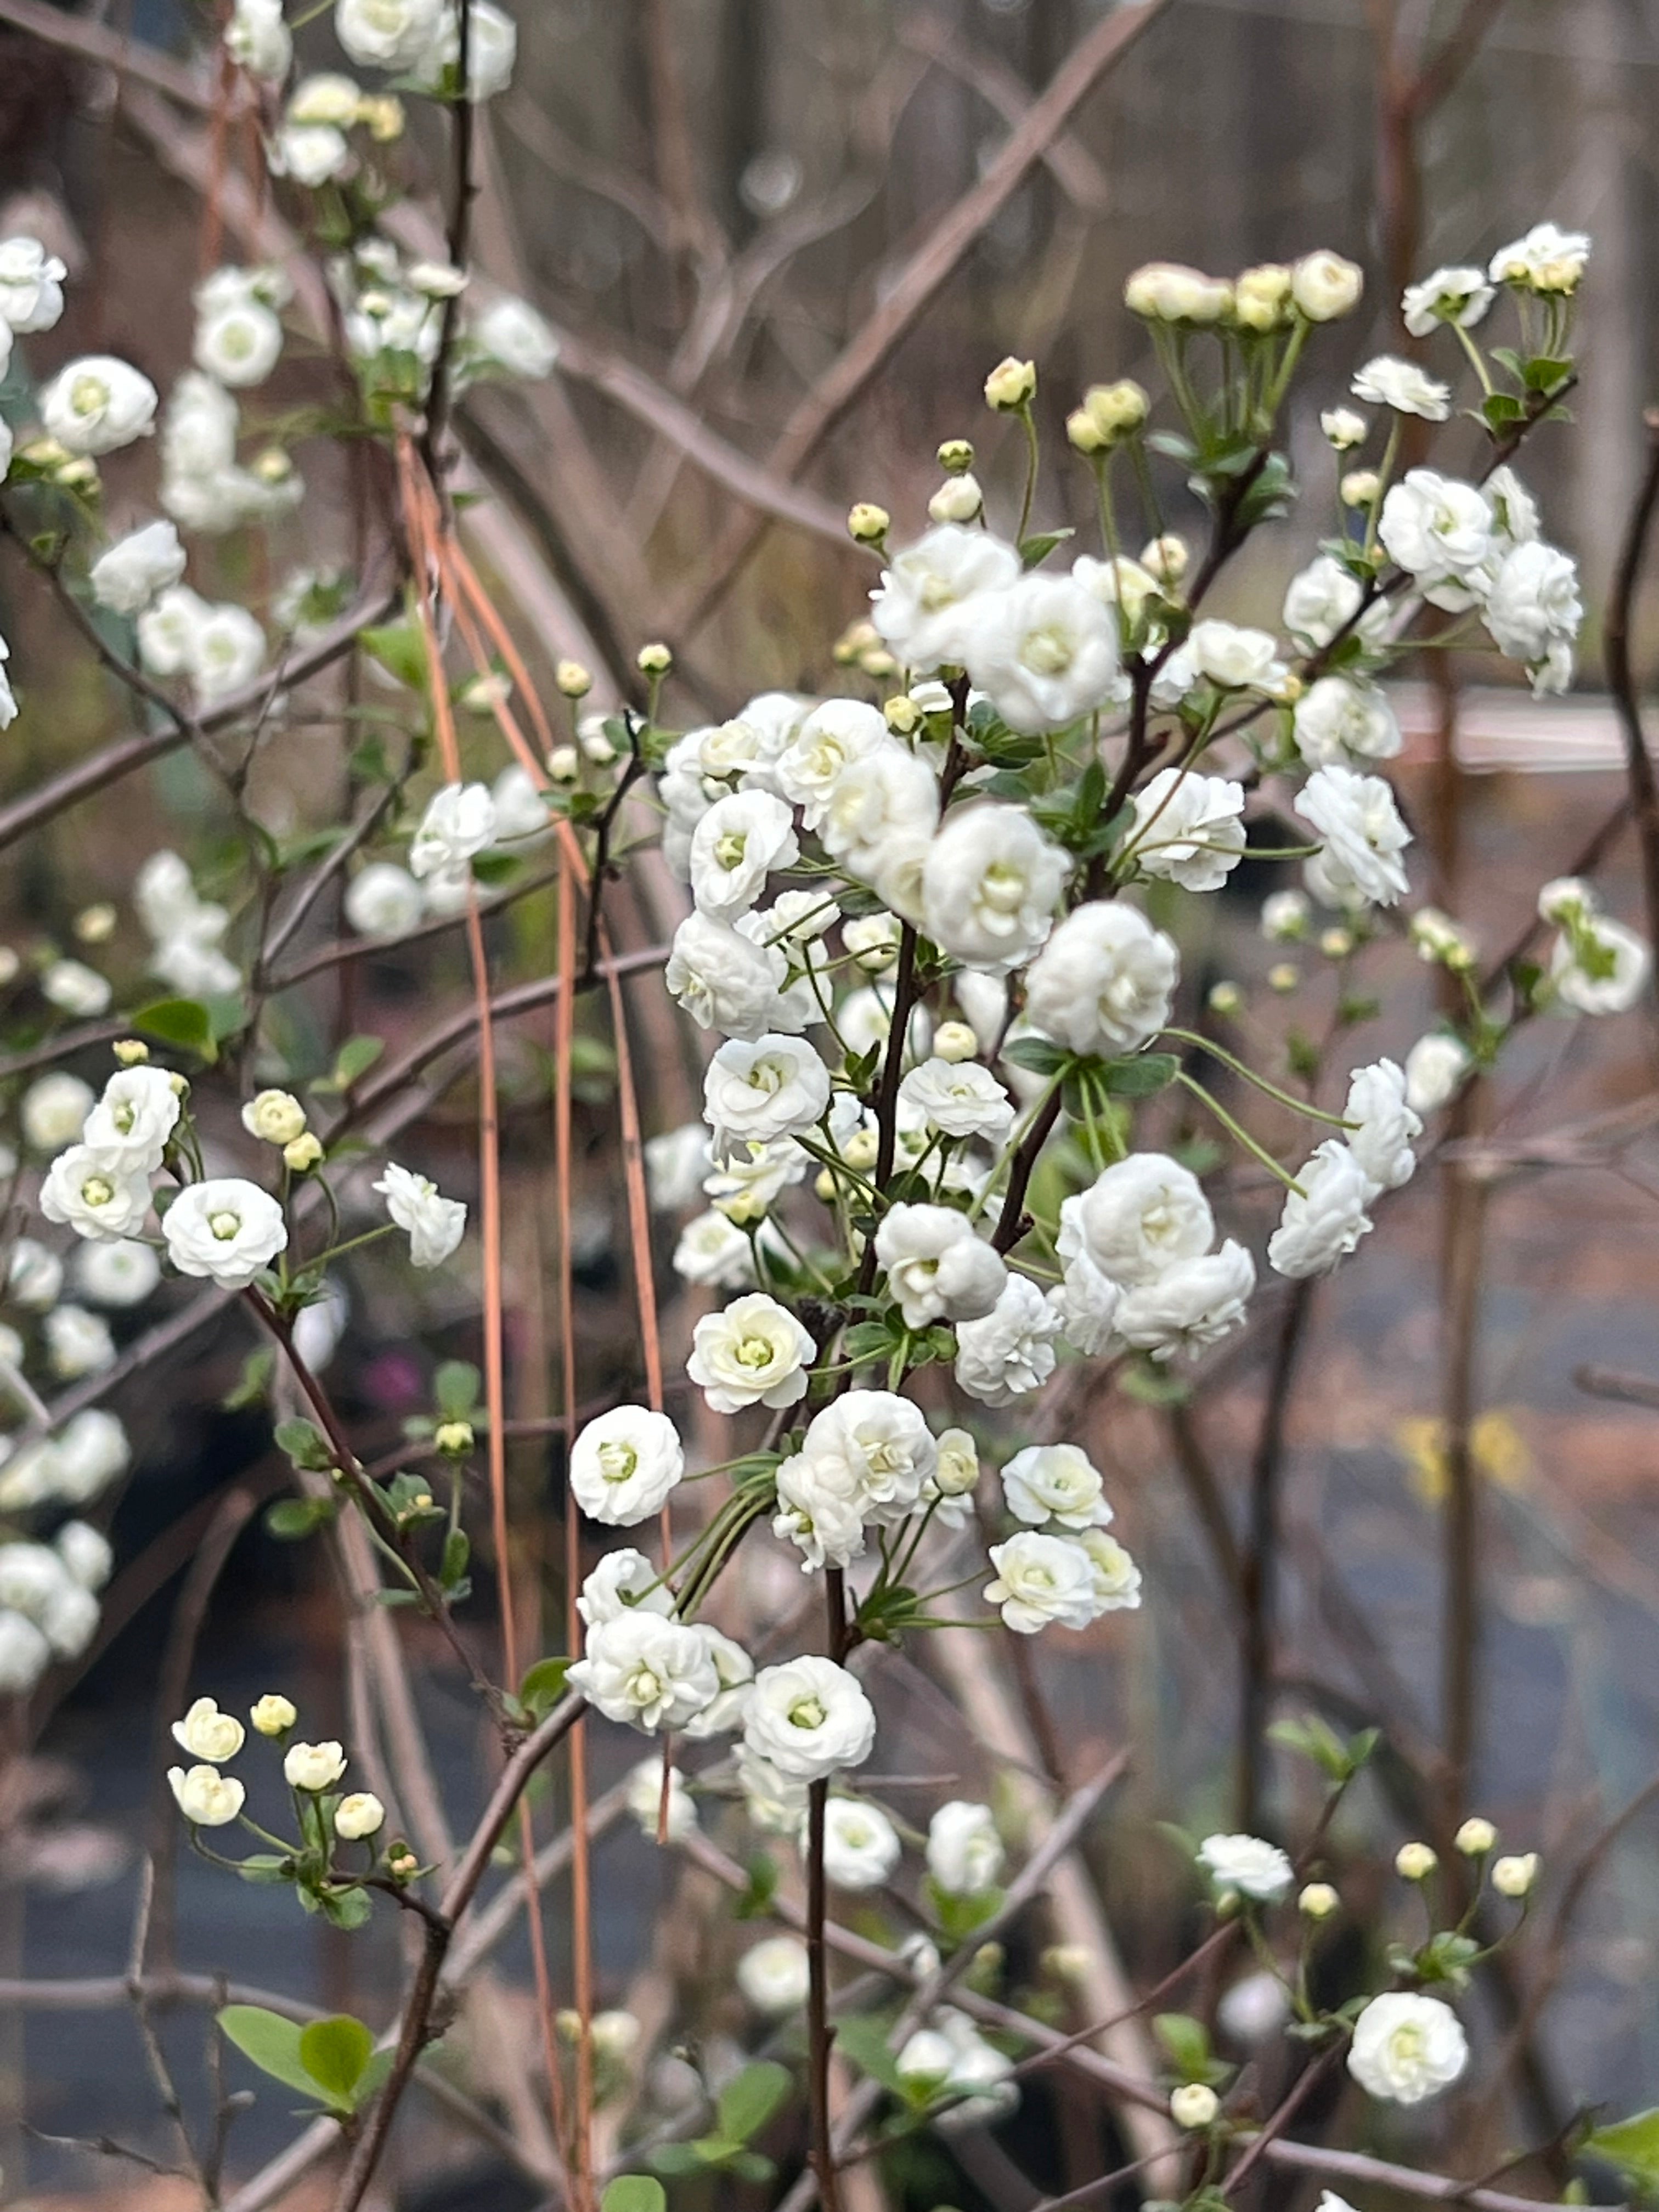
pixel 275 1117
pixel 455 1439
pixel 1415 1862
pixel 1226 999
pixel 273 1715
pixel 1336 943
pixel 1514 1877
pixel 95 925
pixel 382 114
pixel 1261 297
pixel 1284 977
pixel 903 714
pixel 1318 1900
pixel 1359 488
pixel 866 523
pixel 1476 1837
pixel 1066 1962
pixel 564 764
pixel 823 1185
pixel 572 679
pixel 1010 386
pixel 955 1042
pixel 302 1152
pixel 131 1052
pixel 959 499
pixel 1166 558
pixel 654 659
pixel 1084 433
pixel 876 661
pixel 1194 2105
pixel 956 456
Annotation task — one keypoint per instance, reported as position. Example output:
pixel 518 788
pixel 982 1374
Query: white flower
pixel 644 1801
pixel 1382 1144
pixel 623 1582
pixel 1169 292
pixel 1599 968
pixel 1390 382
pixel 1043 650
pixel 1324 285
pixel 809 1718
pixel 1057 1483
pixel 358 1816
pixel 226 649
pixel 1104 981
pixel 1548 259
pixel 676 1163
pixel 1196 1302
pixel 434 1225
pixel 1323 1224
pixel 511 333
pixel 883 804
pixel 257 39
pixel 743 1189
pixel 1534 601
pixel 1364 835
pixel 1085 1299
pixel 990 882
pixel 959 1098
pixel 1041 1579
pixel 1450 295
pixel 1339 720
pixel 8 708
pixel 1440 532
pixel 752 1093
pixel 624 1465
pixel 78 1342
pixel 389 35
pixel 751 1353
pixel 1406 2047
pixel 136 1117
pixel 97 404
pixel 459 822
pixel 1285 914
pixel 492 42
pixel 723 979
pixel 1010 1350
pixel 714 1252
pixel 738 843
pixel 835 733
pixel 310 152
pixel 773 1975
pixel 1323 599
pixel 128 575
pixel 207 1798
pixel 964 1852
pixel 1246 1863
pixel 734 1671
pixel 314 1766
pixel 383 901
pixel 95 1193
pixel 861 1847
pixel 775 1803
pixel 118 1273
pixel 1236 659
pixel 31 286
pixel 239 343
pixel 72 1468
pixel 1344 428
pixel 34 1276
pixel 86 1556
pixel 918 612
pixel 1139 1218
pixel 646 1672
pixel 25 1655
pixel 74 988
pixel 866 1457
pixel 1188 829
pixel 206 1733
pixel 226 1229
pixel 1435 1068
pixel 937 1268
pixel 1117 1578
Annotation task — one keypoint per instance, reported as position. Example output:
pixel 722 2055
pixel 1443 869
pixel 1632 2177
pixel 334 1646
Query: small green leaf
pixel 1038 1056
pixel 272 2042
pixel 1035 550
pixel 634 2192
pixel 350 1908
pixel 334 2052
pixel 455 1387
pixel 1140 1075
pixel 265 1868
pixel 292 1519
pixel 253 1383
pixel 185 1023
pixel 1631 2145
pixel 543 1685
pixel 400 647
pixel 863 2038
pixel 1501 410
pixel 355 1058
pixel 302 1442
pixel 672 2158
pixel 457 1549
pixel 748 2102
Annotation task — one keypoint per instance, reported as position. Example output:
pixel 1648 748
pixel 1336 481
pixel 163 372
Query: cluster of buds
pixel 1110 414
pixel 1317 288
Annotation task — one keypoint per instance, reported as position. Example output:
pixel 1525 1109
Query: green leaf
pixel 863 2041
pixel 1038 1056
pixel 253 1383
pixel 265 1868
pixel 1631 2145
pixel 543 1685
pixel 400 647
pixel 1187 2043
pixel 634 2192
pixel 757 1899
pixel 673 2158
pixel 1037 548
pixel 748 2102
pixel 185 1023
pixel 292 1519
pixel 455 1388
pixel 350 1908
pixel 1501 410
pixel 1544 372
pixel 302 1442
pixel 272 2042
pixel 355 1058
pixel 335 2052
pixel 457 1550
pixel 1140 1075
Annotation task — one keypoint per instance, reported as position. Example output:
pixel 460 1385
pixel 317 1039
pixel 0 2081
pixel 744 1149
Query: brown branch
pixel 1260 1563
pixel 1621 680
pixel 127 57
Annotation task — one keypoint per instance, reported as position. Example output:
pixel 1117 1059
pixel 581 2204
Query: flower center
pixel 755 1352
pixel 97 1190
pixel 226 1226
pixel 88 395
pixel 807 1713
pixel 618 1461
pixel 729 849
pixel 1002 888
pixel 1046 651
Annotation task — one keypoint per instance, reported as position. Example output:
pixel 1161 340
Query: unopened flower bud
pixel 824 1186
pixel 903 714
pixel 615 2034
pixel 572 679
pixel 382 116
pixel 1415 1862
pixel 359 1814
pixel 1336 943
pixel 1261 297
pixel 1318 1900
pixel 131 1052
pixel 956 456
pixel 1325 286
pixel 1344 428
pixel 455 1439
pixel 1194 2105
pixel 1168 292
pixel 403 1864
pixel 1010 386
pixel 95 925
pixel 654 659
pixel 1476 1837
pixel 955 1042
pixel 1084 433
pixel 1284 977
pixel 302 1152
pixel 275 1117
pixel 1066 1962
pixel 859 1149
pixel 876 661
pixel 273 1715
pixel 1514 1877
pixel 178 1084
pixel 866 523
pixel 1359 488
pixel 959 499
pixel 564 764
pixel 79 473
pixel 1166 558
pixel 1226 999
